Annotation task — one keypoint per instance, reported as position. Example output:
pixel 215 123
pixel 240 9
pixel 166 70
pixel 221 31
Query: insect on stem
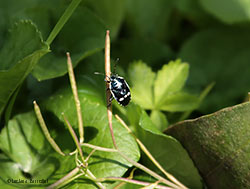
pixel 108 93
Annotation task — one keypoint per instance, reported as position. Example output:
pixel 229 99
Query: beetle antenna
pixel 116 61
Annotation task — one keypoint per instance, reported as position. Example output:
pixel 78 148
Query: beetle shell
pixel 120 90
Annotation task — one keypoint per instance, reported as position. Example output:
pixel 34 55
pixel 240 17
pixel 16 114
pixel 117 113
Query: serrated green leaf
pixel 219 145
pixel 142 79
pixel 159 119
pixel 40 14
pixel 18 57
pixel 94 112
pixel 168 152
pixel 82 42
pixel 169 80
pixel 228 11
pixel 180 102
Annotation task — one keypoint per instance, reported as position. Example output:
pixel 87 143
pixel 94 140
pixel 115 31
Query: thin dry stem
pixel 150 156
pixel 45 129
pixel 131 176
pixel 90 154
pixel 147 170
pixel 73 134
pixel 137 182
pixel 108 94
pixel 76 98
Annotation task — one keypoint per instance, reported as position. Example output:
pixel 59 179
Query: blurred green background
pixel 212 36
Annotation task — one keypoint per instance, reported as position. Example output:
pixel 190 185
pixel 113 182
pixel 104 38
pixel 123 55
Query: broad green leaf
pixel 142 17
pixel 168 152
pixel 94 112
pixel 111 12
pixel 212 63
pixel 179 102
pixel 228 11
pixel 159 119
pixel 142 80
pixel 169 80
pixel 85 39
pixel 39 13
pixel 18 57
pixel 29 154
pixel 9 170
pixel 219 145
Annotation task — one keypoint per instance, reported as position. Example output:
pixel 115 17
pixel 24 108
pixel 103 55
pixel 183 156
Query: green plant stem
pixel 137 182
pixel 150 156
pixel 73 134
pixel 108 93
pixel 64 18
pixel 99 148
pixel 76 98
pixel 45 129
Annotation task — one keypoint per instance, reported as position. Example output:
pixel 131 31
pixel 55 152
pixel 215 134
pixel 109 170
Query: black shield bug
pixel 119 89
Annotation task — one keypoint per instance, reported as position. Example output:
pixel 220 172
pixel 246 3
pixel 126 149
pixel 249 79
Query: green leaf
pixel 212 63
pixel 81 43
pixel 169 80
pixel 142 79
pixel 179 102
pixel 29 154
pixel 9 170
pixel 219 145
pixel 168 152
pixel 228 11
pixel 40 14
pixel 94 112
pixel 159 119
pixel 18 57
